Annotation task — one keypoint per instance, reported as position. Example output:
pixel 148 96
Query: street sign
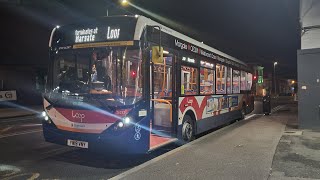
pixel 8 95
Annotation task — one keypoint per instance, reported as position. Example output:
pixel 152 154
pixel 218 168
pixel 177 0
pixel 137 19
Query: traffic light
pixel 254 77
pixel 133 74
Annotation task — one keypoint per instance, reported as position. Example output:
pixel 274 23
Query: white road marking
pixel 5 129
pixel 20 133
pixel 8 170
pixel 34 176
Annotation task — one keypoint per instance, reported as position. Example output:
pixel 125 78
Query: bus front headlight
pixel 127 120
pixel 120 124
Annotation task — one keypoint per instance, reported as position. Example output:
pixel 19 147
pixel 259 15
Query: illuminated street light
pixel 124 2
pixel 274 77
pixel 292 82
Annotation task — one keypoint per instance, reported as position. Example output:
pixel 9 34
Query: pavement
pixel 298 152
pixel 243 150
pixel 268 147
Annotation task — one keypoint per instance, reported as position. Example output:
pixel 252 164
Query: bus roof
pixel 140 23
pixel 144 21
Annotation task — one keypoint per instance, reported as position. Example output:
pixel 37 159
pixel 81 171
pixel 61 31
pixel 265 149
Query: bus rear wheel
pixel 188 129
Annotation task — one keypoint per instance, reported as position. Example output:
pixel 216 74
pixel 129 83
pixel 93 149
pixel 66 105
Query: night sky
pixel 255 31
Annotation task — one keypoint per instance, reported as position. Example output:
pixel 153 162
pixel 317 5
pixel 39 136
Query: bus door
pixel 161 95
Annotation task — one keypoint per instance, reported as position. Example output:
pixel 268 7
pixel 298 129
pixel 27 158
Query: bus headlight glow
pixel 120 124
pixel 126 120
pixel 46 118
pixel 44 114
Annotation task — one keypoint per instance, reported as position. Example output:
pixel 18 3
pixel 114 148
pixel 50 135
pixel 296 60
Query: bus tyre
pixel 188 129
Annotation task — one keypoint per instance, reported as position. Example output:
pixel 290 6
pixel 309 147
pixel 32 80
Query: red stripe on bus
pixel 87 116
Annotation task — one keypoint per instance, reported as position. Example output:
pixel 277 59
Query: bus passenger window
pixel 189 83
pixel 221 71
pixel 163 79
pixel 243 82
pixel 229 82
pixel 236 81
pixel 249 81
pixel 206 81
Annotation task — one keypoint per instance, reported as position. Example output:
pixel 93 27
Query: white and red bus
pixel 131 84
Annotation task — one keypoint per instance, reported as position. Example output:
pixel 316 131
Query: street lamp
pixel 124 2
pixel 274 77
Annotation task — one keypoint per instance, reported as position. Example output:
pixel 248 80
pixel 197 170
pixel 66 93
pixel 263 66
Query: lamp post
pixel 274 77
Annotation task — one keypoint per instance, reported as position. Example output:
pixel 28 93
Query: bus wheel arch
pixel 188 130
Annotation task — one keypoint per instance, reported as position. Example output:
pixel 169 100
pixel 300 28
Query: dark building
pixel 308 65
pixel 24 57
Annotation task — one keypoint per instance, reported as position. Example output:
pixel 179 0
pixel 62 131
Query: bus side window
pixel 163 79
pixel 189 80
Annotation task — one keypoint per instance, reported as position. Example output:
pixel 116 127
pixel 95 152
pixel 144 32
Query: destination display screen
pixel 107 30
pixel 95 34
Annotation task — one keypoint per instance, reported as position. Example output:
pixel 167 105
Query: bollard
pixel 266 105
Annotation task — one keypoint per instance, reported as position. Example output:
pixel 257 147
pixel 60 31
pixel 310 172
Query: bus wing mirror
pixel 157 54
pixel 157 51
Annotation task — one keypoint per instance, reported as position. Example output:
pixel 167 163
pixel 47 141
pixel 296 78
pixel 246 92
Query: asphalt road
pixel 25 155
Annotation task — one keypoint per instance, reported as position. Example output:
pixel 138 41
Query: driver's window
pixel 101 70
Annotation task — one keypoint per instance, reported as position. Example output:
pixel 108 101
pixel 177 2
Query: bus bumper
pixel 109 141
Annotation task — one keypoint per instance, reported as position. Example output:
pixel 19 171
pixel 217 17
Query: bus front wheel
pixel 188 129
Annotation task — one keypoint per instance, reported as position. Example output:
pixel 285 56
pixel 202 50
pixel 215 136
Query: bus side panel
pixel 216 121
pixel 211 111
pixel 135 139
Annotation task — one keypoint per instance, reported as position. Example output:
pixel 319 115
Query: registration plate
pixel 80 144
